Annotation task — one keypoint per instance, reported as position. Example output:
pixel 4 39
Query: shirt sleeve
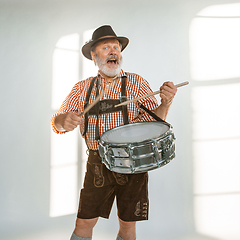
pixel 70 104
pixel 150 102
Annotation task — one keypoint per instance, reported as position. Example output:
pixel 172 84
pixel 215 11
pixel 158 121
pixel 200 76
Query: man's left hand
pixel 167 92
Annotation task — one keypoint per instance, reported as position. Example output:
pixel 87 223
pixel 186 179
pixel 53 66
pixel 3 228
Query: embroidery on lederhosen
pixel 98 175
pixel 121 179
pixel 141 211
pixel 138 209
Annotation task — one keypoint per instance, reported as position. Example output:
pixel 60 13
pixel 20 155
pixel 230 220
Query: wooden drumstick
pixel 149 94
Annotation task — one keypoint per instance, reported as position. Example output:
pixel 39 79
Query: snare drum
pixel 137 147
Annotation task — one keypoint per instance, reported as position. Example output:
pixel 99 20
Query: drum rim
pixel 168 132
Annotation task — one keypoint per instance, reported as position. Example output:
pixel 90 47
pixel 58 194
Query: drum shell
pixel 137 157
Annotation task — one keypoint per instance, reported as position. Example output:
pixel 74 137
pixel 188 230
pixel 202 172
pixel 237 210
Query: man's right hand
pixel 66 122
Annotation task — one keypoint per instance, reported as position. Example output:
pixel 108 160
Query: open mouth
pixel 112 60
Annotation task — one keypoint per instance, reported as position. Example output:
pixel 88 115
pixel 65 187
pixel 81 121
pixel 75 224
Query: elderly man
pixel 101 185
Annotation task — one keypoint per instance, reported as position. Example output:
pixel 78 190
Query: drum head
pixel 134 132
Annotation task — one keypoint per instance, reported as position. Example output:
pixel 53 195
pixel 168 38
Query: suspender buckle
pixel 123 99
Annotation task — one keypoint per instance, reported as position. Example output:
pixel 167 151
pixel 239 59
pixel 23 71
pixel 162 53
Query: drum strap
pixel 105 106
pixel 154 115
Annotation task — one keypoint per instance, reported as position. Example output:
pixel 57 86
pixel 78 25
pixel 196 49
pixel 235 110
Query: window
pixel 64 148
pixel 68 153
pixel 215 70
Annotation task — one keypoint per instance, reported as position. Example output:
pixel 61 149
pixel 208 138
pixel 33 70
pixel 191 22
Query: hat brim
pixel 86 49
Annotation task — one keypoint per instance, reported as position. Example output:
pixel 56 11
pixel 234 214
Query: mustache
pixel 112 57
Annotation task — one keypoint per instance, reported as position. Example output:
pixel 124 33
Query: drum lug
pixel 110 159
pixel 132 168
pixel 130 151
pixel 101 151
pixel 156 153
pixel 105 155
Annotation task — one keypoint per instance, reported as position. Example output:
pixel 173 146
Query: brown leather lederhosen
pixel 105 106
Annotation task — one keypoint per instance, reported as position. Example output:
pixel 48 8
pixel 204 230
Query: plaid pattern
pixel 136 86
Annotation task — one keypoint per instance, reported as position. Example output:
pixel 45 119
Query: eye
pixel 116 47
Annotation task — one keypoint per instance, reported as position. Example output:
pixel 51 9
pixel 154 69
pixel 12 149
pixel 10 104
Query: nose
pixel 113 50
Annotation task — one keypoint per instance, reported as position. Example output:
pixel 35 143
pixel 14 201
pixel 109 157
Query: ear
pixel 93 55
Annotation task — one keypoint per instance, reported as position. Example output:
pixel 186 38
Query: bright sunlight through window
pixel 64 148
pixel 215 70
pixel 215 39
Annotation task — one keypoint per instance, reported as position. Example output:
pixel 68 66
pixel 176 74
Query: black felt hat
pixel 101 33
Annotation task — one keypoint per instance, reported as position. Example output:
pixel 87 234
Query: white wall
pixel 158 50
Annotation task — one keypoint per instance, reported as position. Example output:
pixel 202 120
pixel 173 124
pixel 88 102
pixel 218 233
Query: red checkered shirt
pixel 136 86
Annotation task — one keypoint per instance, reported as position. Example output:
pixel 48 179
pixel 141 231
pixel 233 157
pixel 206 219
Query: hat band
pixel 107 37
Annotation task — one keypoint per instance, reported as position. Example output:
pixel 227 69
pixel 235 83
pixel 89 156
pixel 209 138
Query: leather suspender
pixel 86 103
pixel 105 106
pixel 123 99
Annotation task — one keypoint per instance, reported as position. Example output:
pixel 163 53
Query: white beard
pixel 102 65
